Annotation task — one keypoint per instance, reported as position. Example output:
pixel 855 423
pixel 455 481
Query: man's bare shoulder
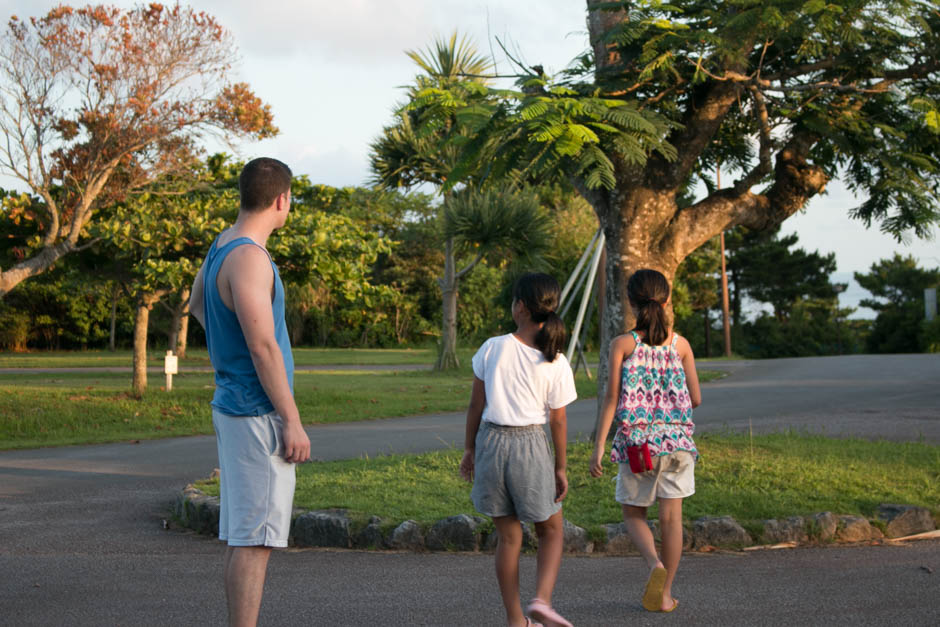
pixel 250 254
pixel 248 266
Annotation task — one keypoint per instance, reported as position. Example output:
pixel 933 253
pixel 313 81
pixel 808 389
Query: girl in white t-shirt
pixel 521 381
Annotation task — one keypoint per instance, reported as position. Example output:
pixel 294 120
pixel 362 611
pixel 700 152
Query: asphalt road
pixel 81 540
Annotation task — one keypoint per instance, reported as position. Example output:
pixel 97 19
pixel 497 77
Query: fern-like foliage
pixel 499 219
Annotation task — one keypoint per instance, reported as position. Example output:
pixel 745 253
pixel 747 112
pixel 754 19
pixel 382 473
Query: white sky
pixel 332 72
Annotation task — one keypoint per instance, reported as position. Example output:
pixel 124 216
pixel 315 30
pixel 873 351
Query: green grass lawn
pixel 200 357
pixel 60 408
pixel 80 408
pixel 773 476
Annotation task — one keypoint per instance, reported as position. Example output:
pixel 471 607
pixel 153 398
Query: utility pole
pixel 725 306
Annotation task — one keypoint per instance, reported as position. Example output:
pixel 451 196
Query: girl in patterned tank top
pixel 652 390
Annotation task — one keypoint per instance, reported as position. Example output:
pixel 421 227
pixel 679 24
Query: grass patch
pixel 200 357
pixel 81 408
pixel 66 407
pixel 773 476
pixel 94 359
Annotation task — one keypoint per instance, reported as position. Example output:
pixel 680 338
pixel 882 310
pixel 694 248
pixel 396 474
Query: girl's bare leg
pixel 507 566
pixel 634 518
pixel 551 545
pixel 670 525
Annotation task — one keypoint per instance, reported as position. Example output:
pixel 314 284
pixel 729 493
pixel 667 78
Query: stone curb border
pixel 333 528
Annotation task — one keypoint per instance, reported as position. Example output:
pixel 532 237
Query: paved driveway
pixel 81 540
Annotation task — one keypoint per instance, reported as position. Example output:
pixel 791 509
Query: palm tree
pixel 404 157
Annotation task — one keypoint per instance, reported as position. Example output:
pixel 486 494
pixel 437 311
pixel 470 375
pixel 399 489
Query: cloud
pixel 347 31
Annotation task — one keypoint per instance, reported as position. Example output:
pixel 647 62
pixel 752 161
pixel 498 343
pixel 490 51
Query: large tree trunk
pixel 145 303
pixel 447 356
pixel 179 325
pixel 630 244
pixel 182 341
pixel 114 304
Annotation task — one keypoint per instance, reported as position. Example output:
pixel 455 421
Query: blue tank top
pixel 238 390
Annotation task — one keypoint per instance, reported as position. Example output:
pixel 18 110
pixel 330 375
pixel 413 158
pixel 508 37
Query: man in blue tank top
pixel 239 300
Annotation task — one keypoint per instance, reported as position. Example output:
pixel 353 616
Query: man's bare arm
pixel 196 295
pixel 251 279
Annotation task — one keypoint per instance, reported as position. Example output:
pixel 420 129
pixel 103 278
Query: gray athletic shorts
pixel 256 484
pixel 672 477
pixel 514 473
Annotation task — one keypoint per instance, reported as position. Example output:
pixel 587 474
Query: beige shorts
pixel 256 486
pixel 672 477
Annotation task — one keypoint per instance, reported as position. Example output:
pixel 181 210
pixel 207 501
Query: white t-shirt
pixel 521 385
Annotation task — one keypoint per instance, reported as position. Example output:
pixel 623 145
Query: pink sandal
pixel 544 613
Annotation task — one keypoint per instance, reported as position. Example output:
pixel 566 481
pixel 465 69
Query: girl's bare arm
pixel 558 421
pixel 620 348
pixel 474 415
pixel 691 376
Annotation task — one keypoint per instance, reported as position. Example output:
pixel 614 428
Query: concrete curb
pixel 199 512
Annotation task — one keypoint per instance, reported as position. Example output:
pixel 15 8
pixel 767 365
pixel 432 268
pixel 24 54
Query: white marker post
pixel 169 367
pixel 930 303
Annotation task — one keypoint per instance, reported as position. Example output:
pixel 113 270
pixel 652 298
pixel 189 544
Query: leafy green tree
pixel 695 292
pixel 330 259
pixel 786 94
pixel 64 308
pixel 767 268
pixel 159 240
pixel 505 223
pixel 897 286
pixel 404 156
pixel 97 101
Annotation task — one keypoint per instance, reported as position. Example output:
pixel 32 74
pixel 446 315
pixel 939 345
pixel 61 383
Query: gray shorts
pixel 256 486
pixel 514 473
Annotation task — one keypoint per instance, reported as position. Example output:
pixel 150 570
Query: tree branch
pixel 699 128
pixel 764 166
pixel 796 181
pixel 469 267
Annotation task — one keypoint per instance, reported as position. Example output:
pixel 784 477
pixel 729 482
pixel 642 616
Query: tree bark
pixel 42 261
pixel 179 325
pixel 145 303
pixel 114 303
pixel 182 341
pixel 599 23
pixel 447 356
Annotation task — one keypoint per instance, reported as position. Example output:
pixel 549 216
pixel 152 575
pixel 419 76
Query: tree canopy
pixel 786 95
pixel 897 287
pixel 97 101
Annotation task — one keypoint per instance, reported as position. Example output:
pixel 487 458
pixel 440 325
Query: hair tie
pixel 543 316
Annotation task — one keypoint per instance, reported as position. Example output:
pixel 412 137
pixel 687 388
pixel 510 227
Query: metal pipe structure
pixel 587 295
pixel 577 270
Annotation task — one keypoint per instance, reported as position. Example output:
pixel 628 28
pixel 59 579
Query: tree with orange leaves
pixel 98 101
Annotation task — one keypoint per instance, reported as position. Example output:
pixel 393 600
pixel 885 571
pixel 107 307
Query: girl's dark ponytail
pixel 539 293
pixel 552 336
pixel 648 291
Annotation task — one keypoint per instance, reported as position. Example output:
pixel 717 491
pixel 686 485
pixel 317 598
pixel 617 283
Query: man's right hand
pixel 296 442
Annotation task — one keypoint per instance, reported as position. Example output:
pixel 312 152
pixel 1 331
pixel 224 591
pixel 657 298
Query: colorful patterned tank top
pixel 654 405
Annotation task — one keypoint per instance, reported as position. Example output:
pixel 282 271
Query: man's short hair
pixel 261 181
